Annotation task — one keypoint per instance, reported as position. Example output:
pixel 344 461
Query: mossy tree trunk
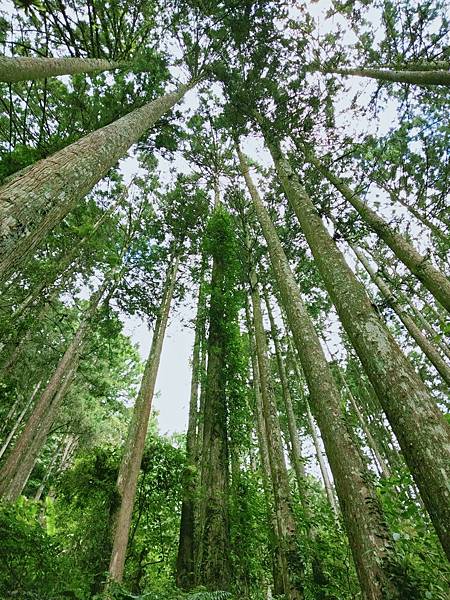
pixel 421 430
pixel 365 526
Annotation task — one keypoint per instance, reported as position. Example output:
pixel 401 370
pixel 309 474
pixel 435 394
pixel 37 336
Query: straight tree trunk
pixel 186 547
pixel 14 469
pixel 420 77
pixel 321 460
pixel 25 68
pixel 19 419
pixel 422 432
pixel 424 344
pixel 29 458
pixel 421 266
pixel 366 529
pixel 279 565
pixel 213 562
pixel 31 205
pixel 48 472
pixel 137 433
pixel 293 578
pixel 319 575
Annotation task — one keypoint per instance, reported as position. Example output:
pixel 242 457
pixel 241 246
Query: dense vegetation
pixel 274 176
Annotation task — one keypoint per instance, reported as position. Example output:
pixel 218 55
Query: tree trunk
pixel 25 68
pixel 421 266
pixel 319 575
pixel 28 459
pixel 9 482
pixel 31 205
pixel 422 432
pixel 366 530
pixel 19 419
pixel 424 344
pixel 420 77
pixel 293 578
pixel 214 567
pixel 279 565
pixel 137 433
pixel 46 477
pixel 186 548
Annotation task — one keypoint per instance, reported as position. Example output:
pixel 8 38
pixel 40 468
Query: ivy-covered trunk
pixel 365 526
pixel 137 433
pixel 32 203
pixel 421 430
pixel 213 562
pixel 24 68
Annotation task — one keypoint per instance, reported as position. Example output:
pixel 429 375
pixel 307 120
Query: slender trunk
pixel 368 536
pixel 23 444
pixel 422 432
pixel 46 477
pixel 25 68
pixel 424 344
pixel 29 457
pixel 421 266
pixel 10 415
pixel 319 574
pixel 68 452
pixel 435 336
pixel 186 547
pixel 421 218
pixel 321 460
pixel 19 419
pixel 134 446
pixel 296 453
pixel 31 205
pixel 279 565
pixel 293 578
pixel 213 561
pixel 419 77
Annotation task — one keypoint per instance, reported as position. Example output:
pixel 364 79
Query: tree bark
pixel 420 77
pixel 421 266
pixel 14 469
pixel 186 548
pixel 31 205
pixel 279 565
pixel 293 577
pixel 422 432
pixel 366 529
pixel 28 459
pixel 19 419
pixel 137 432
pixel 25 68
pixel 424 344
pixel 213 561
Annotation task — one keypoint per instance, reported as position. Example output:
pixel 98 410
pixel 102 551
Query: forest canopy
pixel 269 180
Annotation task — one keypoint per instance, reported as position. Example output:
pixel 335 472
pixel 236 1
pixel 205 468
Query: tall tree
pixel 371 553
pixel 404 397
